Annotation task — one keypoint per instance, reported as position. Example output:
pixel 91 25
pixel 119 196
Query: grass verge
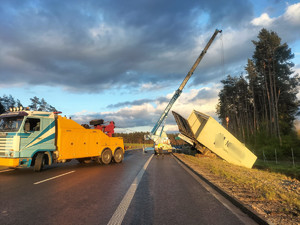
pixel 129 146
pixel 281 167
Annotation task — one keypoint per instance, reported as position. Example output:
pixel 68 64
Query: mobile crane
pixel 161 141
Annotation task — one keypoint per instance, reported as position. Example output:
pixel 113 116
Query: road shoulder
pixel 222 186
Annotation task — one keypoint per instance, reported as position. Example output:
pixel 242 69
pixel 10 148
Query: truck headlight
pixel 11 153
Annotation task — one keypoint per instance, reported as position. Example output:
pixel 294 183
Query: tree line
pixel 138 138
pixel 37 104
pixel 261 104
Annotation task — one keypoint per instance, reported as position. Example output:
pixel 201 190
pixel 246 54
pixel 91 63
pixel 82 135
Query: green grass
pixel 286 168
pixel 266 185
pixel 129 146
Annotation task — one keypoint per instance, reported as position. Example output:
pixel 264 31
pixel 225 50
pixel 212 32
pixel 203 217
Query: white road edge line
pixel 2 171
pixel 42 181
pixel 120 212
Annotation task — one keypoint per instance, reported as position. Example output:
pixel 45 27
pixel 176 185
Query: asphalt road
pixel 71 193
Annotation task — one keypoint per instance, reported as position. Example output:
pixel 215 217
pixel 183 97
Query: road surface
pixel 144 189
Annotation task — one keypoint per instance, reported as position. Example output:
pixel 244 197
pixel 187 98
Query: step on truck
pixel 36 138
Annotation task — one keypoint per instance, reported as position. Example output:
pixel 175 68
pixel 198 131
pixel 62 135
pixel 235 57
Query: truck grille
pixel 5 145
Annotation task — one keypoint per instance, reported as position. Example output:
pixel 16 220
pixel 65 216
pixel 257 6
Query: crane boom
pixel 179 90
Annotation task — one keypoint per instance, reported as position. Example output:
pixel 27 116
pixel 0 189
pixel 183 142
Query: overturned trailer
pixel 207 135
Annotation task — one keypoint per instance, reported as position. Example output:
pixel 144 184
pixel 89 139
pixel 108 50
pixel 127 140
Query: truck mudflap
pixel 9 162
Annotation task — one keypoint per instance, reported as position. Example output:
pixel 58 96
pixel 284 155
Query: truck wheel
pixel 39 162
pixel 118 156
pixel 106 156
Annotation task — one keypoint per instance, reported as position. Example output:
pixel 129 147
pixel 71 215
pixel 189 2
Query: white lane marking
pixel 42 181
pixel 120 212
pixel 2 171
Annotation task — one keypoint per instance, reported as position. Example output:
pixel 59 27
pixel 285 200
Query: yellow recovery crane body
pixel 75 141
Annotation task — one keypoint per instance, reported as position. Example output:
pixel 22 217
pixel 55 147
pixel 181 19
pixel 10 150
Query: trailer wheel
pixel 39 162
pixel 118 156
pixel 106 156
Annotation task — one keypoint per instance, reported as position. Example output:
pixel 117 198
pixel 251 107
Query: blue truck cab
pixel 25 134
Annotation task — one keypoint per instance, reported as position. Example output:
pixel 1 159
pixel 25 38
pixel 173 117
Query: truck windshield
pixel 10 124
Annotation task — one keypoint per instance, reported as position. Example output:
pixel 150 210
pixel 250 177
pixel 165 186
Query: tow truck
pixel 36 138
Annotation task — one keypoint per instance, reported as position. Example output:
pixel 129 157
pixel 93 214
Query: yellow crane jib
pixel 178 92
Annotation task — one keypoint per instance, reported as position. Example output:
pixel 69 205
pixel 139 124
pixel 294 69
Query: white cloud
pixel 146 115
pixel 150 86
pixel 263 20
pixel 171 128
pixel 198 100
pixel 237 47
pixel 141 55
pixel 297 69
pixel 286 25
pixel 292 14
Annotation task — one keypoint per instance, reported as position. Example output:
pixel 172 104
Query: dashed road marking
pixel 2 171
pixel 120 212
pixel 42 181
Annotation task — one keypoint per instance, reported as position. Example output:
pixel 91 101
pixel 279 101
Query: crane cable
pixel 223 68
pixel 222 55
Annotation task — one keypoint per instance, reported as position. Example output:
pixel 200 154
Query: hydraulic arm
pixel 179 90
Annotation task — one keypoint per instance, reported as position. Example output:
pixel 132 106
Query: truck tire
pixel 106 156
pixel 118 156
pixel 39 162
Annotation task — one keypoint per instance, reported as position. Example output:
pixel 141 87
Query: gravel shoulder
pixel 274 196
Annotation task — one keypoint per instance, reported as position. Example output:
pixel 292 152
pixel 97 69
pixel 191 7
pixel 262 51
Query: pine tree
pixel 9 102
pixel 278 86
pixel 2 109
pixel 265 102
pixel 253 90
pixel 234 103
pixel 35 103
pixel 50 108
pixel 41 105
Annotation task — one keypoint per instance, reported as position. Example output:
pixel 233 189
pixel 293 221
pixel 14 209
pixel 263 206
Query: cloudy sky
pixel 123 60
